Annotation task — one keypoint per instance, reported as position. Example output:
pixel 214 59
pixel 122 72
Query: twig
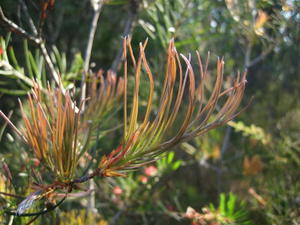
pixel 13 126
pixel 224 148
pixel 37 40
pixel 248 54
pixel 92 197
pixel 10 195
pixel 31 221
pixel 247 64
pixel 228 131
pixel 260 57
pixel 132 13
pixel 50 66
pixel 97 6
pixel 30 21
pixel 78 194
pixel 115 218
pixel 10 70
pixel 15 28
pixel 40 212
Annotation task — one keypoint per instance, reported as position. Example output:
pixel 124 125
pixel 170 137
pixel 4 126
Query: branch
pixel 260 57
pixel 50 66
pixel 30 21
pixel 31 221
pixel 15 28
pixel 7 120
pixel 115 218
pixel 10 195
pixel 14 213
pixel 97 6
pixel 224 148
pixel 37 40
pixel 8 69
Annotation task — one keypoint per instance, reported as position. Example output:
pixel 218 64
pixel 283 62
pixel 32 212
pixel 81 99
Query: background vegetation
pixel 244 173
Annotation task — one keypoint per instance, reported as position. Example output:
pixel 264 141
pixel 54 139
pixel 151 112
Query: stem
pixel 87 58
pixel 15 28
pixel 7 120
pixel 260 57
pixel 224 148
pixel 92 201
pixel 115 218
pixel 18 74
pixel 50 66
pixel 10 195
pixel 30 21
pixel 40 212
pixel 248 54
pixel 31 221
pixel 11 220
pixel 228 131
pixel 37 40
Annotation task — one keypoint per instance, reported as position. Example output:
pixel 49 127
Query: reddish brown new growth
pixel 45 6
pixel 51 129
pixel 103 95
pixel 117 155
pixel 144 141
pixel 59 134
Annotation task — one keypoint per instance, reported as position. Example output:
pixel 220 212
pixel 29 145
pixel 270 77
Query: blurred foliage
pixel 229 212
pixel 253 132
pixel 34 68
pixel 261 162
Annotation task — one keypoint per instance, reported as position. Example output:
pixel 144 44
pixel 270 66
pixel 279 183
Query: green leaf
pixel 148 28
pixel 231 204
pixel 170 157
pixel 222 204
pixel 176 165
pixel 27 60
pixel 4 126
pixel 7 39
pixel 212 207
pixel 13 92
pixel 3 46
pixel 33 64
pixel 77 63
pixel 13 58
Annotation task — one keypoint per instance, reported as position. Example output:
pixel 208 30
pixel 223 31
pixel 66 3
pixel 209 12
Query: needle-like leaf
pixel 144 141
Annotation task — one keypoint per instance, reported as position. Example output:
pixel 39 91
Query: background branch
pixel 49 209
pixel 37 40
pixel 260 57
pixel 15 28
pixel 30 21
pixel 97 6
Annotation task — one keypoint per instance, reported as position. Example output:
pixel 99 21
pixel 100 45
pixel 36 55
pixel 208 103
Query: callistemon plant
pixel 57 129
pixel 101 101
pixel 144 141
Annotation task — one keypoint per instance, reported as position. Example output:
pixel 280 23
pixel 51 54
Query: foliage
pixel 34 68
pixel 144 142
pixel 253 131
pixel 229 212
pixel 256 157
